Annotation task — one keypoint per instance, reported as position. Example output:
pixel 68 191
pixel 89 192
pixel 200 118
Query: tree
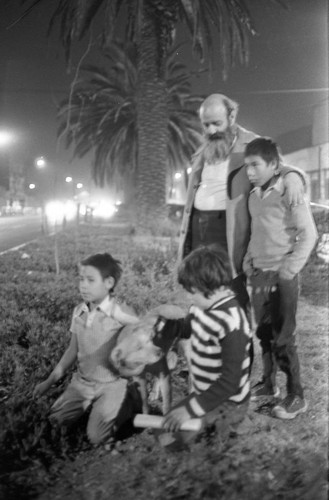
pixel 101 115
pixel 151 24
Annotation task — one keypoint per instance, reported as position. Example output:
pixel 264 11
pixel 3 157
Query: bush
pixel 36 307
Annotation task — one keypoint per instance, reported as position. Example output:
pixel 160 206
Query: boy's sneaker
pixel 290 407
pixel 262 391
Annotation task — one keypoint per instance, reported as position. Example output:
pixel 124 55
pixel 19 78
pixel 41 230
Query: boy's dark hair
pixel 265 148
pixel 106 265
pixel 205 270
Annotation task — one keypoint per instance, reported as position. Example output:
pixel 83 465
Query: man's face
pixel 214 121
pixel 92 286
pixel 258 170
pixel 218 132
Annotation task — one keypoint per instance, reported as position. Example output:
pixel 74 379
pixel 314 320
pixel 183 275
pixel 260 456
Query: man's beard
pixel 218 146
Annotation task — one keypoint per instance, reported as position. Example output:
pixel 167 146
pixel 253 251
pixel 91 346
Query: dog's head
pixel 136 346
pixel 143 343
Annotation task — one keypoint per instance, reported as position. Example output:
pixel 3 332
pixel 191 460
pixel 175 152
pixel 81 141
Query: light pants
pixel 112 404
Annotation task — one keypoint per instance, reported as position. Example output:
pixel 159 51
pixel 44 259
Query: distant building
pixel 308 149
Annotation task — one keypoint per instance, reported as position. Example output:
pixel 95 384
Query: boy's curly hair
pixel 205 270
pixel 106 265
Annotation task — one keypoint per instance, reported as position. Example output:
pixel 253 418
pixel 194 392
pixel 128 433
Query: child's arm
pixel 124 314
pixel 66 361
pixel 306 236
pixel 197 405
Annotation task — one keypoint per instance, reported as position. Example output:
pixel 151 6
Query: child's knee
pixel 100 431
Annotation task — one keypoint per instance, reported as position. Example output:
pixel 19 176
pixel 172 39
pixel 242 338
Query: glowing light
pixel 104 209
pixel 178 175
pixel 56 211
pixel 68 179
pixel 31 186
pixel 5 138
pixel 189 170
pixel 79 185
pixel 40 162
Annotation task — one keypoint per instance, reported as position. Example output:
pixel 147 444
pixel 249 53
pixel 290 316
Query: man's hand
pixel 295 188
pixel 175 418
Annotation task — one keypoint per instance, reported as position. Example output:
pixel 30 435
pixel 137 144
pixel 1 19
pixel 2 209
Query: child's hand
pixel 41 389
pixel 175 418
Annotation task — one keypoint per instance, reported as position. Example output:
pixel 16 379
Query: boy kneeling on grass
pixel 221 346
pixel 94 386
pixel 282 238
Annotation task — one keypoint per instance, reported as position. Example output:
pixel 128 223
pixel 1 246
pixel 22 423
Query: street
pixel 18 229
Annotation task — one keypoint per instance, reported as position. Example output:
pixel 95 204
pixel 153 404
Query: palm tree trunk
pixel 152 120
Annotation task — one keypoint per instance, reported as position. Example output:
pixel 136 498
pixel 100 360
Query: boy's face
pixel 92 286
pixel 198 299
pixel 258 170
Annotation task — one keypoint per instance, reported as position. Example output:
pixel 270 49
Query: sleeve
pixel 306 237
pixel 173 330
pixel 289 169
pixel 233 354
pixel 73 328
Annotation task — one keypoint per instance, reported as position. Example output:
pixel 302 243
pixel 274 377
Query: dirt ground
pixel 268 459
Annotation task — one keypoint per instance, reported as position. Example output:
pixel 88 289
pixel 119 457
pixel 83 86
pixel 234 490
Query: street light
pixel 40 162
pixel 5 137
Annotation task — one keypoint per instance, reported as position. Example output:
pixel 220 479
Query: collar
pixel 277 186
pixel 106 306
pixel 225 296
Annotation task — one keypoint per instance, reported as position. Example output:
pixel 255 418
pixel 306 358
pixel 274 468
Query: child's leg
pixel 284 325
pixel 115 403
pixel 262 289
pixel 72 404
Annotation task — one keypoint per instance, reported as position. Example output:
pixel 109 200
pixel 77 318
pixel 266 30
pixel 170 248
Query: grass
pixel 270 459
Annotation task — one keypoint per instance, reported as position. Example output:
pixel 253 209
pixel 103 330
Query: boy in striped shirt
pixel 221 346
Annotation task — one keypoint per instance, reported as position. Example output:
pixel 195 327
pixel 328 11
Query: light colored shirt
pixel 212 192
pixel 96 333
pixel 282 236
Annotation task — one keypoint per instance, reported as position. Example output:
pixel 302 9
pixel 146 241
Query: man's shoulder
pixel 244 136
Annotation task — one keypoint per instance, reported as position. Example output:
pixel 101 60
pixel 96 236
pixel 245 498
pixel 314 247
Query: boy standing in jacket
pixel 282 238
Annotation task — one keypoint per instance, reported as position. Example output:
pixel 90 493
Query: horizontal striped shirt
pixel 220 355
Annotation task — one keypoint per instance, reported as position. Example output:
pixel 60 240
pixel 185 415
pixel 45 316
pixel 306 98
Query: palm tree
pixel 151 24
pixel 100 115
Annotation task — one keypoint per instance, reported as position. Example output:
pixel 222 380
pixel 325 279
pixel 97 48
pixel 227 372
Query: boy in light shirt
pixel 94 385
pixel 282 238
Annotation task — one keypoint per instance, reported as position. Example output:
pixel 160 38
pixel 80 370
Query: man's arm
pixel 294 180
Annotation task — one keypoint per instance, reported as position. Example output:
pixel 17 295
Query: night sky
pixel 277 91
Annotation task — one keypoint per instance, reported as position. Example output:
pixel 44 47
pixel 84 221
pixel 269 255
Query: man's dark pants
pixel 209 227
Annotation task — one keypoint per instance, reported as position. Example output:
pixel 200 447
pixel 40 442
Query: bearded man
pixel 216 210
